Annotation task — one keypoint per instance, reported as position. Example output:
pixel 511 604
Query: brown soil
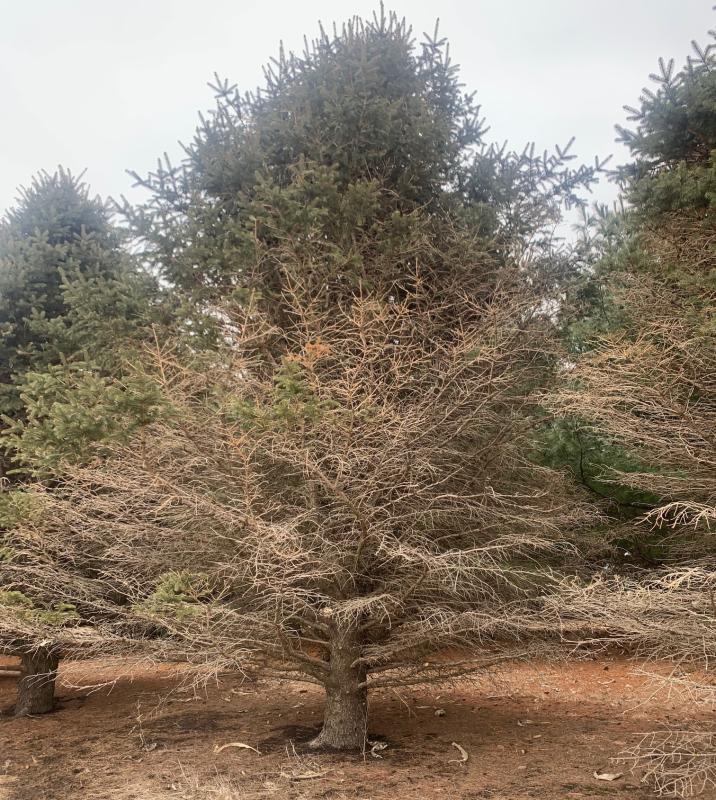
pixel 531 731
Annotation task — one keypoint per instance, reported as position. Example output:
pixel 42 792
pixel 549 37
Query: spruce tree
pixel 646 374
pixel 71 303
pixel 647 380
pixel 346 488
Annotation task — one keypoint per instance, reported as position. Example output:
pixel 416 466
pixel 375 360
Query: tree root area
pixel 529 730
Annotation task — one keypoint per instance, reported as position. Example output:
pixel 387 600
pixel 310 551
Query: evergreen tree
pixel 637 260
pixel 646 375
pixel 378 282
pixel 647 380
pixel 71 304
pixel 359 513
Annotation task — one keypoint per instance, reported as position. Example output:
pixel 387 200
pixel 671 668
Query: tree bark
pixel 36 687
pixel 345 716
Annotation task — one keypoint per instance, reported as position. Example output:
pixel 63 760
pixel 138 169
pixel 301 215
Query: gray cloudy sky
pixel 107 85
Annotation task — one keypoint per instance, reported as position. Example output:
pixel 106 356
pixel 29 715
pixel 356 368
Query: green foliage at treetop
pixel 360 164
pixel 71 302
pixel 673 172
pixel 674 141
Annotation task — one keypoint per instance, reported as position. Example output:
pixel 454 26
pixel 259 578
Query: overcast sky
pixel 107 85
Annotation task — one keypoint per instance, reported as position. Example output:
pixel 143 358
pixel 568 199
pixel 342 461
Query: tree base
pixel 345 720
pixel 36 687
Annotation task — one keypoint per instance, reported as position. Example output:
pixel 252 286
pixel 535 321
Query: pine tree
pixel 358 514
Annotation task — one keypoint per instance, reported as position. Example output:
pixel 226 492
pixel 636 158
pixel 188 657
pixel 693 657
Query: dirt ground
pixel 529 731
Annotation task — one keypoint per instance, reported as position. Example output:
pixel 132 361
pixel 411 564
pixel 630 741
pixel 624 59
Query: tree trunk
pixel 345 717
pixel 36 687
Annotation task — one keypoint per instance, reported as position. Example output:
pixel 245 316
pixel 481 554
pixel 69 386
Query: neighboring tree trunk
pixel 36 687
pixel 345 717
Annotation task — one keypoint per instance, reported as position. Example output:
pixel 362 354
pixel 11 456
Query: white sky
pixel 108 85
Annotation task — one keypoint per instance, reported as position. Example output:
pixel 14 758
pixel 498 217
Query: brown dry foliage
pixel 652 384
pixel 677 763
pixel 652 387
pixel 367 489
